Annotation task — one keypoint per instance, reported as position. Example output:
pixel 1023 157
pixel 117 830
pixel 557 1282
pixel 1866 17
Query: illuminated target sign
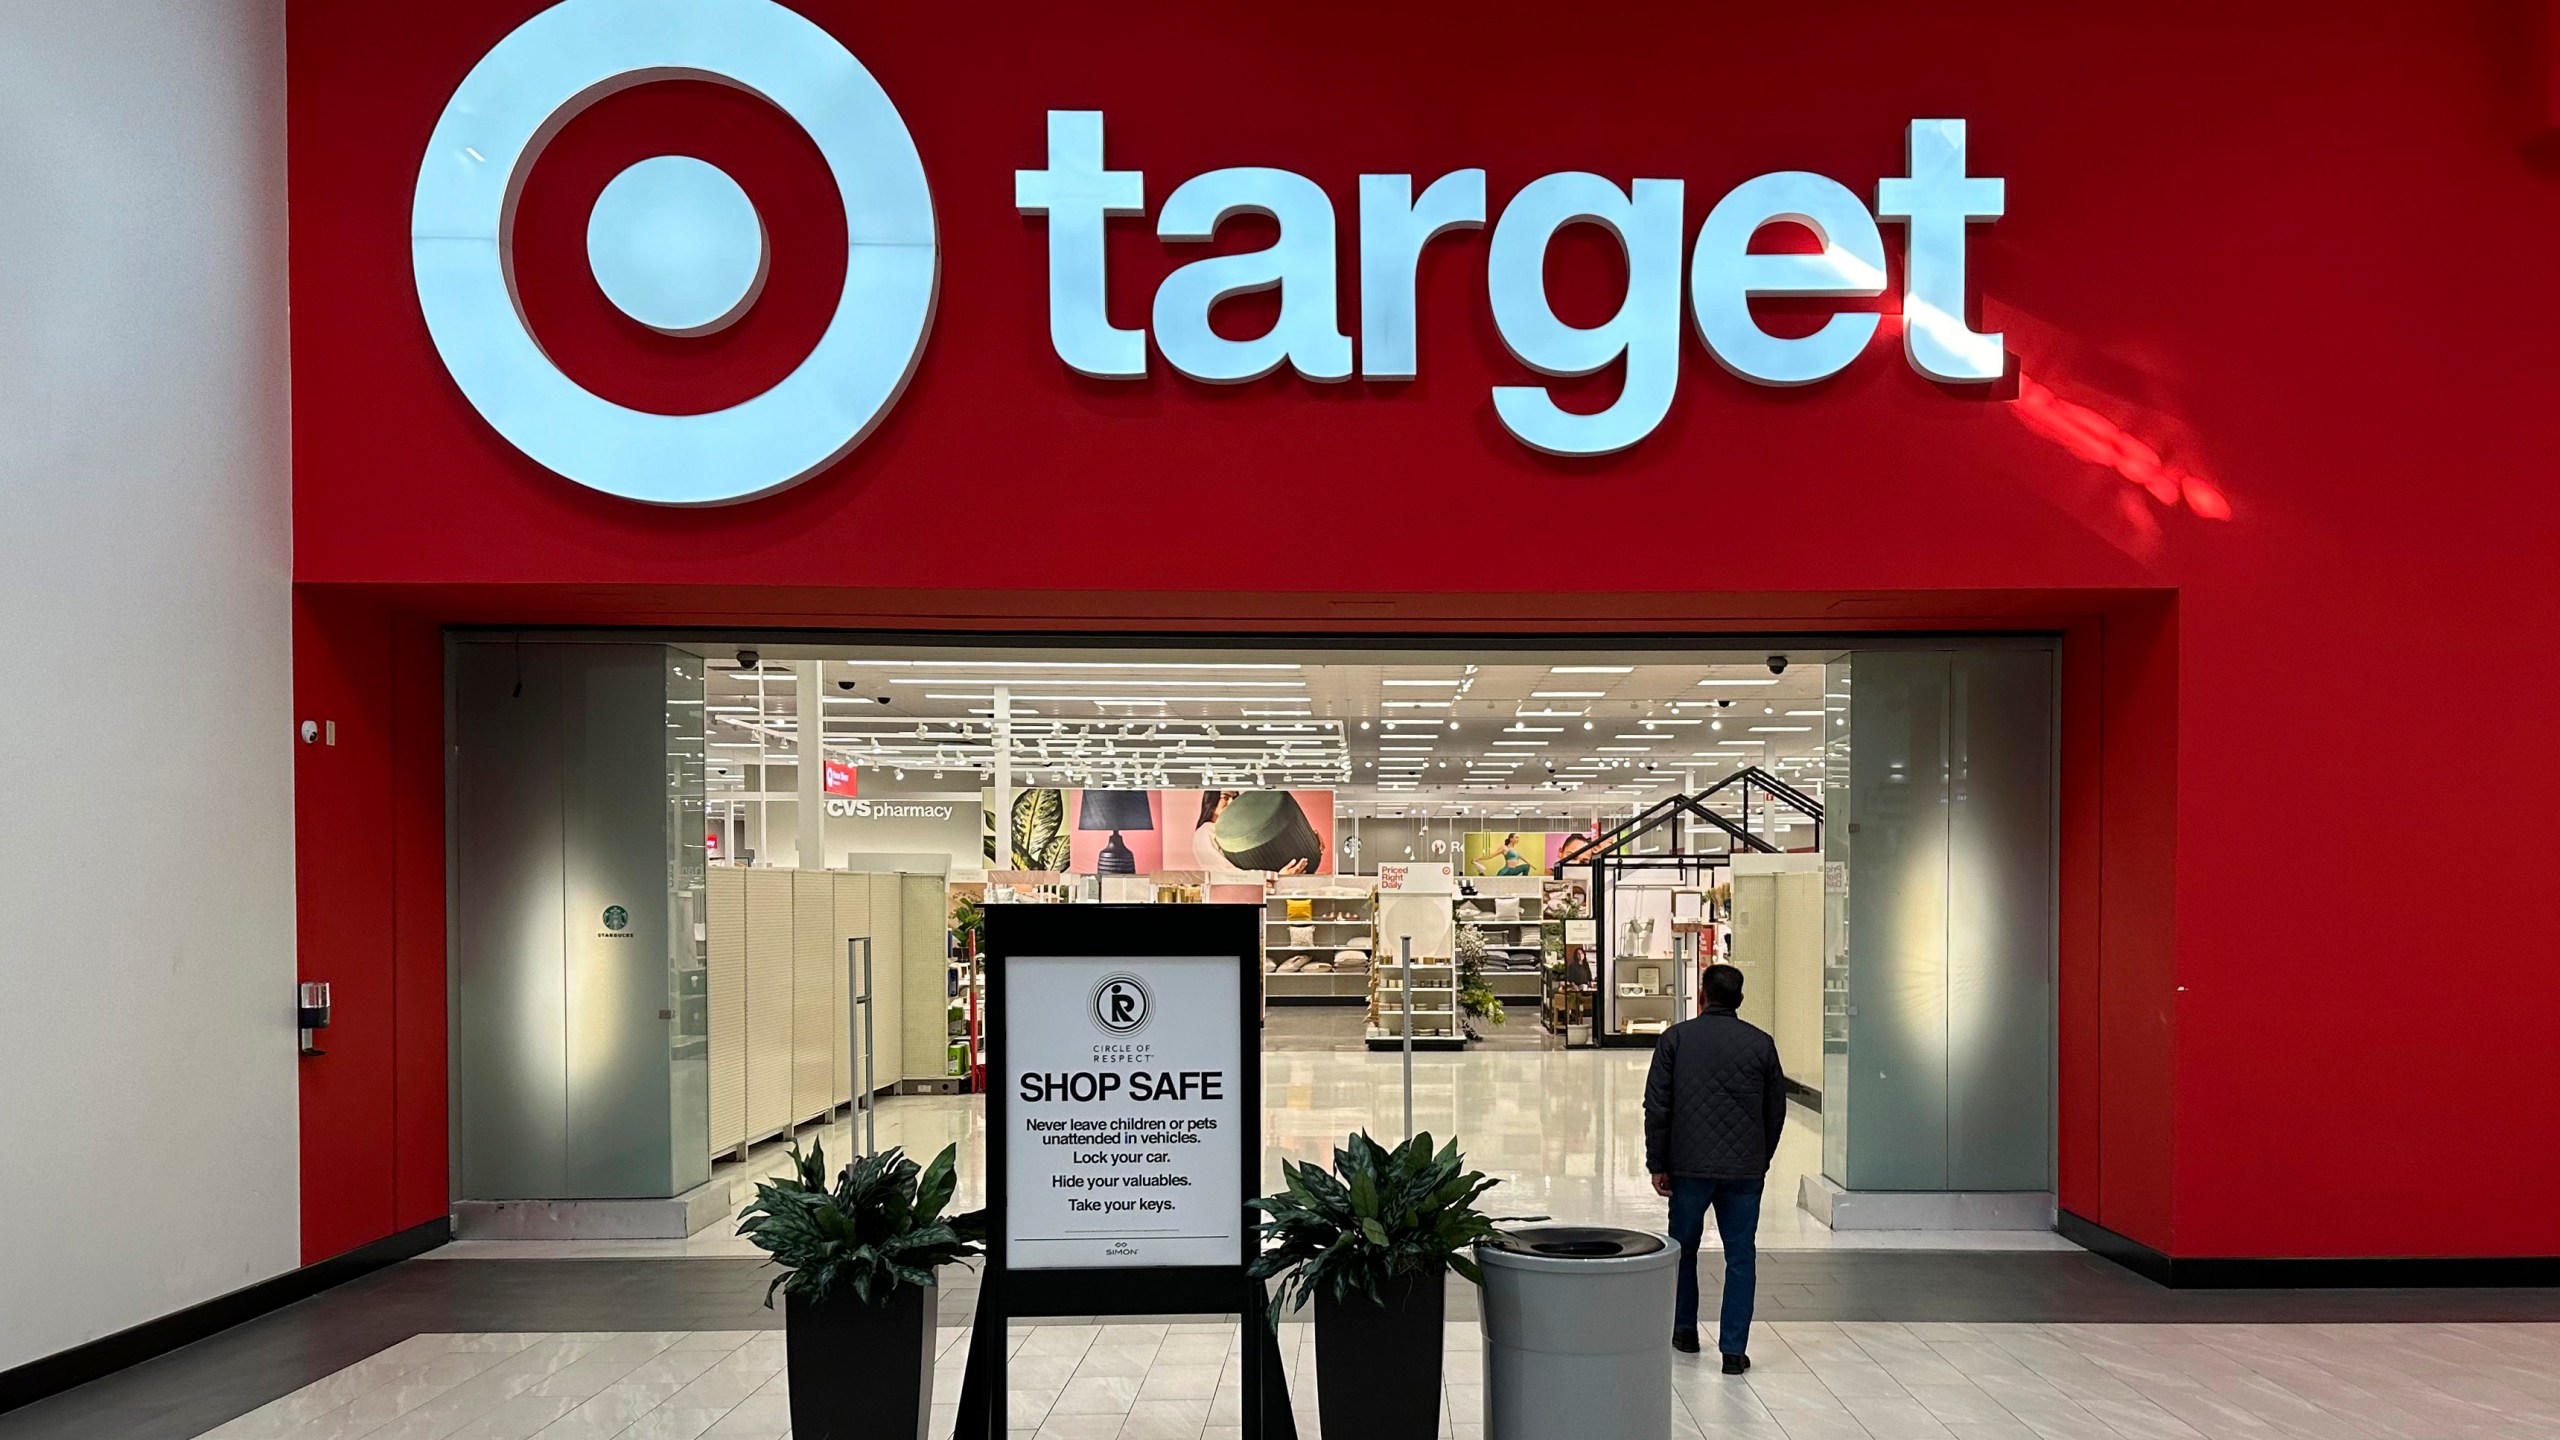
pixel 675 244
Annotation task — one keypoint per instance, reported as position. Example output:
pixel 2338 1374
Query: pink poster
pixel 1141 832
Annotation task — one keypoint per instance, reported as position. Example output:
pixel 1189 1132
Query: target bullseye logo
pixel 675 244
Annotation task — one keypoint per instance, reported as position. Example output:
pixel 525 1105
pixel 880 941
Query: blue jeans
pixel 1737 1207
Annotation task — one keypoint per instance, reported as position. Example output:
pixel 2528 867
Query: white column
pixel 1003 778
pixel 810 827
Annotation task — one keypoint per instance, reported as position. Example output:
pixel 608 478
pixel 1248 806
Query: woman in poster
pixel 1507 860
pixel 1256 830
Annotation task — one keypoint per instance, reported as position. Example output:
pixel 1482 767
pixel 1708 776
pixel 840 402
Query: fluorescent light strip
pixel 1120 699
pixel 1098 682
pixel 1806 714
pixel 1424 684
pixel 1532 729
pixel 1624 749
pixel 1523 742
pixel 1064 665
pixel 1781 729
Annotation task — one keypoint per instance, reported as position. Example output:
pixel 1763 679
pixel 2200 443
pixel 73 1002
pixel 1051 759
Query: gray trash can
pixel 1577 1333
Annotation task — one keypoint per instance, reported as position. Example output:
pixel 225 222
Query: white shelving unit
pixel 1342 915
pixel 1509 911
pixel 1435 1006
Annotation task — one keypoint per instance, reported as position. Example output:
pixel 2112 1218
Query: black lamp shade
pixel 1114 810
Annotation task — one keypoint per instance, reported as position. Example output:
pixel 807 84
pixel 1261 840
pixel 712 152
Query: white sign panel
pixel 1122 1112
pixel 1426 879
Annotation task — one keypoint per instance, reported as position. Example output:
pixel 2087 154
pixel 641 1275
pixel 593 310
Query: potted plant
pixel 857 1264
pixel 1368 1243
pixel 1476 1000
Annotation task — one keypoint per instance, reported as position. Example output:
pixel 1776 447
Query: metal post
pixel 1405 970
pixel 857 966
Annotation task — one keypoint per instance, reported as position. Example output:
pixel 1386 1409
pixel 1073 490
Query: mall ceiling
pixel 1394 733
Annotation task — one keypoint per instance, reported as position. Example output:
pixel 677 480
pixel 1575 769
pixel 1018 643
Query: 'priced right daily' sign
pixel 1121 1112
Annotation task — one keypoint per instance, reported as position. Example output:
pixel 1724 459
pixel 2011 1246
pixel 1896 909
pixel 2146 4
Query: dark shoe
pixel 1685 1341
pixel 1736 1364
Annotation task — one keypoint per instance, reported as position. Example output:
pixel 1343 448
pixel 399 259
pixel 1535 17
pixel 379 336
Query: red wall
pixel 2231 236
pixel 369 876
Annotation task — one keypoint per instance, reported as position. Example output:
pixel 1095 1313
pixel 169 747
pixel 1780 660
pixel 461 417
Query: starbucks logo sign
pixel 616 918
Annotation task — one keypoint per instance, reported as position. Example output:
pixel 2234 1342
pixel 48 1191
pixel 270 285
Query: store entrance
pixel 1489 878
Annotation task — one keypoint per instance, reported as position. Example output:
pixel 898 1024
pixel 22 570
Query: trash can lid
pixel 1557 1247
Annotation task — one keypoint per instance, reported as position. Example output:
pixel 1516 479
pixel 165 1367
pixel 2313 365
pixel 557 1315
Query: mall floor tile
pixel 1852 1379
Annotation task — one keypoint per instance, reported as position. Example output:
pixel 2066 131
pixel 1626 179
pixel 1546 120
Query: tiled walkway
pixel 1811 1380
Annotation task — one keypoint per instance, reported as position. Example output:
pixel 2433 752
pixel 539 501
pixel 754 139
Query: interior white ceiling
pixel 1561 735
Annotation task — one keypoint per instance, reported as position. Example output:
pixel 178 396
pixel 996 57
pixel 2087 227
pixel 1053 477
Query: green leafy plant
pixel 1040 838
pixel 1476 999
pixel 879 1226
pixel 968 926
pixel 1377 1217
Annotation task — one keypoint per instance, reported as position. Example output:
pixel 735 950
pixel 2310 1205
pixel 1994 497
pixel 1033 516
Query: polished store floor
pixel 1563 1130
pixel 603 1347
pixel 1810 1380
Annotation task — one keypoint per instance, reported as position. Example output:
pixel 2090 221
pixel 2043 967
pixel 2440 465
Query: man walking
pixel 1713 1105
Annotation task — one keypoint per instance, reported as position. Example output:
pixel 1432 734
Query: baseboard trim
pixel 2217 1272
pixel 68 1369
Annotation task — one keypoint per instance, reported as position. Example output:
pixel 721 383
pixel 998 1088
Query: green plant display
pixel 1378 1216
pixel 1475 994
pixel 968 926
pixel 879 1227
pixel 1040 838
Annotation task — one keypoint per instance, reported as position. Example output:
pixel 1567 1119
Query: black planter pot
pixel 860 1372
pixel 1378 1366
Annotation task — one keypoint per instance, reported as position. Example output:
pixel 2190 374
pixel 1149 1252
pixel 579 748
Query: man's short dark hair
pixel 1724 986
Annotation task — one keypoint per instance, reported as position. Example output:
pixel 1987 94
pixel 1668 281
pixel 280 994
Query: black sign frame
pixel 1133 932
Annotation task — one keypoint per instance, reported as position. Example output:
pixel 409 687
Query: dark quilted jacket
pixel 1715 1099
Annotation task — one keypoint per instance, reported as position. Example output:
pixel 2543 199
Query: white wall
pixel 147 1109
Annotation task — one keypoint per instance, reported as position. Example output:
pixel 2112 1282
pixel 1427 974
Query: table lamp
pixel 1115 811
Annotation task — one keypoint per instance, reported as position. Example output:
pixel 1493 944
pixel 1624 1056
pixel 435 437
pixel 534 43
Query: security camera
pixel 883 699
pixel 844 684
pixel 1777 664
pixel 1724 704
pixel 749 659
